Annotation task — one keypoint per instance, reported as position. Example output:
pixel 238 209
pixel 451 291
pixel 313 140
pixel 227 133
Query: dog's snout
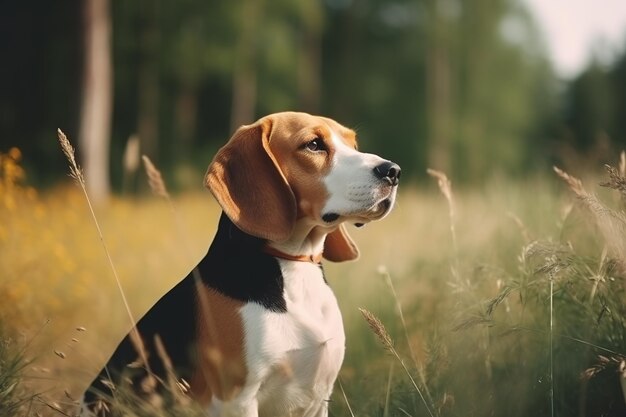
pixel 388 171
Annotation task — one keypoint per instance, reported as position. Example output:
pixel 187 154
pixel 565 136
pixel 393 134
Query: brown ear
pixel 339 246
pixel 247 182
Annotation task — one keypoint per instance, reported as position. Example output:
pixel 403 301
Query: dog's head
pixel 294 167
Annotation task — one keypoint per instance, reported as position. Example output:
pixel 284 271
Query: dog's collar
pixel 316 259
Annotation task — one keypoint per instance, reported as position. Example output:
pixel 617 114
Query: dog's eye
pixel 315 145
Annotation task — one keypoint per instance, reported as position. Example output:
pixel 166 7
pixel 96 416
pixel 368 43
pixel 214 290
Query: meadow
pixel 504 299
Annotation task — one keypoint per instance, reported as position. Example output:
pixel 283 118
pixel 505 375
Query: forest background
pixel 465 87
pixel 503 296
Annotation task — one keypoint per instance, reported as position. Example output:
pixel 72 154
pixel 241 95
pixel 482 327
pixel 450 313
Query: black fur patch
pixel 237 267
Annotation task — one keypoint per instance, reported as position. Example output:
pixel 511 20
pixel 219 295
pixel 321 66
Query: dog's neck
pixel 306 240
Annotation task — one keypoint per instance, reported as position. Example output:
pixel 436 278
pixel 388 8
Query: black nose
pixel 388 171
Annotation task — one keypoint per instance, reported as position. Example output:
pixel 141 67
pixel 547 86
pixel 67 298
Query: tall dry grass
pixel 517 310
pixel 55 272
pixel 516 337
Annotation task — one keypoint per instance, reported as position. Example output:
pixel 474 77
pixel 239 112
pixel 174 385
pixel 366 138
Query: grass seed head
pixel 378 328
pixel 616 181
pixel 445 185
pixel 68 150
pixel 155 180
pixel 575 184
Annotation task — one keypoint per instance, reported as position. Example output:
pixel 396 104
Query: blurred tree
pixel 245 64
pixel 148 85
pixel 589 109
pixel 373 72
pixel 500 75
pixel 95 125
pixel 309 44
pixel 40 82
pixel 592 127
pixel 439 34
pixel 457 85
pixel 618 90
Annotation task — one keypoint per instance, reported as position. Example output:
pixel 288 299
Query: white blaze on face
pixel 353 188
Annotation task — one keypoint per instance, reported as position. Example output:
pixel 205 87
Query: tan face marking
pixel 304 149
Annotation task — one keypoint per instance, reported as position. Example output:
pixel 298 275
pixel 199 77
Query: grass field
pixel 516 310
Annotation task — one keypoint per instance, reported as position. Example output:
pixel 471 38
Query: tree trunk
pixel 309 62
pixel 186 120
pixel 149 92
pixel 244 77
pixel 95 123
pixel 438 94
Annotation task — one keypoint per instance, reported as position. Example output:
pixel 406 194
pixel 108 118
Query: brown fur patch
pixel 245 179
pixel 220 347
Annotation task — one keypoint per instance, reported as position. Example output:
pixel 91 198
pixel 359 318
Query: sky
pixel 572 27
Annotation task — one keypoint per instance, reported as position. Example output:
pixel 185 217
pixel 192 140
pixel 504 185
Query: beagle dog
pixel 255 330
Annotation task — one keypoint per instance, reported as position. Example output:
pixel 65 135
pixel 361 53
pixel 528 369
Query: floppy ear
pixel 247 182
pixel 339 246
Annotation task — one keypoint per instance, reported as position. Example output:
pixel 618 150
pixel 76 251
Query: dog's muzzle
pixel 382 195
pixel 389 173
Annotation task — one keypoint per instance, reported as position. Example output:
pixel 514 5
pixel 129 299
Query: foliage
pixel 463 87
pixel 13 399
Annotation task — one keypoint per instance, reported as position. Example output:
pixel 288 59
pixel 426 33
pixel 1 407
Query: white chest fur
pixel 294 357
